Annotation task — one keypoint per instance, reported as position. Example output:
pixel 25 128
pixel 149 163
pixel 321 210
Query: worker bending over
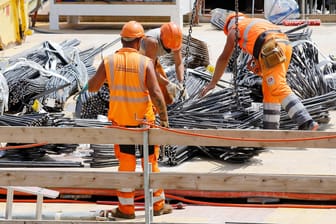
pixel 161 41
pixel 133 91
pixel 271 53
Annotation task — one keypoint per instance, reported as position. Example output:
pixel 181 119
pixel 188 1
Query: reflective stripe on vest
pixel 247 30
pixel 140 89
pixel 141 74
pixel 129 97
pixel 250 29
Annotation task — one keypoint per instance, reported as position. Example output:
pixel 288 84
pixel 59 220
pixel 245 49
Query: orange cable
pixel 246 139
pixel 23 146
pixel 250 205
pixel 128 129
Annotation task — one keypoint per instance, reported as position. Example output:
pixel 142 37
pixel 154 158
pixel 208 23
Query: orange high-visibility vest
pixel 130 102
pixel 249 30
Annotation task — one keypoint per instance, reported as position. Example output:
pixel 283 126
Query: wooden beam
pixel 80 178
pixel 243 138
pixel 85 178
pixel 295 183
pixel 56 135
pixel 197 137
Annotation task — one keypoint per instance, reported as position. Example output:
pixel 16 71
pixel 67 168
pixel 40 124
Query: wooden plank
pixel 243 138
pixel 246 182
pixel 197 137
pixel 70 135
pixel 184 181
pixel 81 178
pixel 113 3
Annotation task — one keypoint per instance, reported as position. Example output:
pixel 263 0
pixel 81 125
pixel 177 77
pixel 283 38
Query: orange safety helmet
pixel 132 29
pixel 228 20
pixel 171 36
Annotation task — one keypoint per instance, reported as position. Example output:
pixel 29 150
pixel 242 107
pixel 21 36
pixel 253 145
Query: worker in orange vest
pixel 134 90
pixel 161 41
pixel 271 52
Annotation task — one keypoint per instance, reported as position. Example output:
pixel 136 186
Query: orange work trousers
pixel 275 88
pixel 126 155
pixel 274 85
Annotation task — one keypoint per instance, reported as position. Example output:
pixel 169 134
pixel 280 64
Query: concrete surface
pixel 94 34
pixel 316 161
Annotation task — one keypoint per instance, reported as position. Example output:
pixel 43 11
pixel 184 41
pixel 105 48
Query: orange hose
pixel 250 205
pixel 245 139
pixel 229 194
pixel 203 194
pixel 178 205
pixel 23 146
pixel 203 203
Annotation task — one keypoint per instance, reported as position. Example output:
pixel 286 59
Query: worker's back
pixel 129 97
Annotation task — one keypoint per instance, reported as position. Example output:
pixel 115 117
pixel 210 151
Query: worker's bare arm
pixel 179 66
pixel 98 79
pixel 151 46
pixel 155 93
pixel 224 58
pixel 221 63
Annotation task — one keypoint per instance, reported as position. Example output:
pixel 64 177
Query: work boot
pixel 309 126
pixel 165 210
pixel 117 214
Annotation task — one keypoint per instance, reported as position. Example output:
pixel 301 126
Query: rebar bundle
pixel 102 156
pixel 175 155
pixel 50 73
pixel 198 54
pixel 90 105
pixel 31 120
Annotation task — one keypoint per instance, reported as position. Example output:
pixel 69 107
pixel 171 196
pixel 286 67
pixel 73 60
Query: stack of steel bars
pixel 50 73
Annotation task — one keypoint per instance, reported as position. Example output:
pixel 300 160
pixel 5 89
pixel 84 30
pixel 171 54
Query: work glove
pixel 172 89
pixel 85 87
pixel 164 124
pixel 183 92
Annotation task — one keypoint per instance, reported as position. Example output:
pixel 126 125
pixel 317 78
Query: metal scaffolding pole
pixel 147 191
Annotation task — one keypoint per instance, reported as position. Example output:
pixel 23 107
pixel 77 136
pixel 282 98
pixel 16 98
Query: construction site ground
pixel 319 161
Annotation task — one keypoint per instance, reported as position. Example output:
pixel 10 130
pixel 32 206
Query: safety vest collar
pixel 127 49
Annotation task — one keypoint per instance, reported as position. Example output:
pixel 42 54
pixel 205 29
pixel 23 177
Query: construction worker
pixel 134 90
pixel 271 52
pixel 198 12
pixel 161 41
